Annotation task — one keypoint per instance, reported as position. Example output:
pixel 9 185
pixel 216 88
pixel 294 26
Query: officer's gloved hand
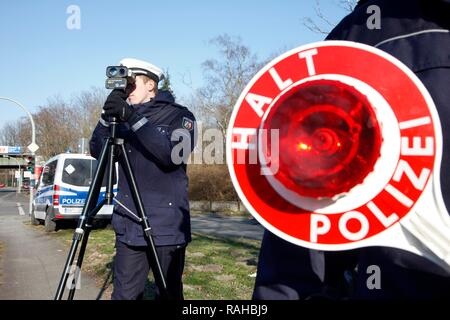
pixel 116 106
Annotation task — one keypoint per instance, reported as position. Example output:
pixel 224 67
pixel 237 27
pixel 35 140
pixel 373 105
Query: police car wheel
pixel 49 224
pixel 34 221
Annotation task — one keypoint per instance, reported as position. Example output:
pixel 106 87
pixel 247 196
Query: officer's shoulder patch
pixel 187 123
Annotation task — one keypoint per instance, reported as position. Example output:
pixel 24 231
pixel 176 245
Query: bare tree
pixel 225 79
pixel 59 124
pixel 9 135
pixel 89 105
pixel 57 129
pixel 324 25
pixel 348 5
pixel 16 133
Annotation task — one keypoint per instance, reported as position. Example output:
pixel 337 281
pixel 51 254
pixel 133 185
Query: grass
pixel 216 268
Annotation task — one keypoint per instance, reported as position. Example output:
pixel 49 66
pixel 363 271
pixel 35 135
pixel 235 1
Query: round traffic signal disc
pixel 332 143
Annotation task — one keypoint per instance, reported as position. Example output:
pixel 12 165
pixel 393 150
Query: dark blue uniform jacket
pixel 417 33
pixel 159 130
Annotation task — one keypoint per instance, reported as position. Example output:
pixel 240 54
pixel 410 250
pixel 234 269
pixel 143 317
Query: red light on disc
pixel 329 138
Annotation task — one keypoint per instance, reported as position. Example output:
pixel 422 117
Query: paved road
pixel 31 262
pixel 230 227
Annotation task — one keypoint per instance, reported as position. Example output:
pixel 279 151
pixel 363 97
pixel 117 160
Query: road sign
pixel 337 145
pixel 14 150
pixel 10 150
pixel 33 147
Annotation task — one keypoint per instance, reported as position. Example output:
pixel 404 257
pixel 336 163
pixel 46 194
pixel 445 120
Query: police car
pixel 62 189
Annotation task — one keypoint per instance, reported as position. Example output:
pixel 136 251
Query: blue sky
pixel 40 57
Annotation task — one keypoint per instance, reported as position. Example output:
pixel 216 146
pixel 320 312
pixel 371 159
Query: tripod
pixel 107 161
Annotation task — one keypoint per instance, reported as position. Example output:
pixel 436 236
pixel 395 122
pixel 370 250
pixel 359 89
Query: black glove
pixel 116 105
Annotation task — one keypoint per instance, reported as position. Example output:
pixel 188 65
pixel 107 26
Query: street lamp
pixel 32 147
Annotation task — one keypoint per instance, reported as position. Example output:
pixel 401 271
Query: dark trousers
pixel 286 271
pixel 289 272
pixel 404 275
pixel 132 264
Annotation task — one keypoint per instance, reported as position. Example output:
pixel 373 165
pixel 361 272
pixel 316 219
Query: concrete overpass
pixel 12 161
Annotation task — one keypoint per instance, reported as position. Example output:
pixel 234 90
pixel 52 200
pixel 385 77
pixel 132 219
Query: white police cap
pixel 142 67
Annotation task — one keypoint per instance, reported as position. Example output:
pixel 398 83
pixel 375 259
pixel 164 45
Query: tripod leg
pixel 90 219
pixel 87 231
pixel 91 202
pixel 157 271
pixel 109 195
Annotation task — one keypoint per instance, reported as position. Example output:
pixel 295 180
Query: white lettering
pixel 353 235
pixel 309 60
pixel 74 278
pixel 374 21
pixel 246 137
pixel 417 149
pixel 374 281
pixel 316 229
pixel 385 221
pixel 257 102
pixel 213 152
pixel 414 123
pixel 73 22
pixel 72 201
pixel 256 310
pixel 404 168
pixel 270 162
pixel 246 141
pixel 193 310
pixel 181 151
pixel 407 202
pixel 197 153
pixel 280 83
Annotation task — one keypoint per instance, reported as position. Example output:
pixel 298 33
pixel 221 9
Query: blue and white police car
pixel 62 189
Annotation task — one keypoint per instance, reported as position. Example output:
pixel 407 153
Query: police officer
pixel 417 33
pixel 158 135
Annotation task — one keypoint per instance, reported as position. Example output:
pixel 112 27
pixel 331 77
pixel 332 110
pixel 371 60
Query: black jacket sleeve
pixel 167 149
pixel 101 131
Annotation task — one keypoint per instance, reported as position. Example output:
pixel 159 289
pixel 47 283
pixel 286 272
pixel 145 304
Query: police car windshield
pixel 80 172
